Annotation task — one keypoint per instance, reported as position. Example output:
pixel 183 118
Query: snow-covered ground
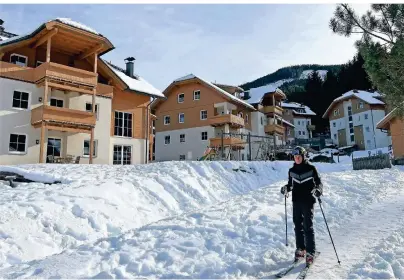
pixel 195 220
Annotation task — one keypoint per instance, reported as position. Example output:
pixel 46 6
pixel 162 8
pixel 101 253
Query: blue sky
pixel 224 43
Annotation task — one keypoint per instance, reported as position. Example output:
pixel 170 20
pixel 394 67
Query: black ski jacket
pixel 303 178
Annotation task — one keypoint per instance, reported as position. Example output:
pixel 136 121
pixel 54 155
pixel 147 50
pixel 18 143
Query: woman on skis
pixel 305 185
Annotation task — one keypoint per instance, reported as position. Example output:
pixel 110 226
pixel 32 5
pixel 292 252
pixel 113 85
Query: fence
pixel 372 162
pixel 243 146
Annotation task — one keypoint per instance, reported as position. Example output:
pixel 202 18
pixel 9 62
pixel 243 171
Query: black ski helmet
pixel 299 150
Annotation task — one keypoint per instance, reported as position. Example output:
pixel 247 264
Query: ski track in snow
pixel 238 235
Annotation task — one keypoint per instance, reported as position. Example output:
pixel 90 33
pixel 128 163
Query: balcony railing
pixel 227 141
pixel 273 109
pixel 232 120
pixel 62 116
pixel 271 128
pixel 16 72
pixel 65 73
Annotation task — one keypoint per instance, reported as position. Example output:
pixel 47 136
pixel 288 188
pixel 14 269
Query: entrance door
pixel 122 154
pixel 54 148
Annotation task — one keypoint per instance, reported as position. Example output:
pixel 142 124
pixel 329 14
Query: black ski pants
pixel 304 231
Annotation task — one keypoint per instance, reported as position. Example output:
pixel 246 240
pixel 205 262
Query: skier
pixel 306 186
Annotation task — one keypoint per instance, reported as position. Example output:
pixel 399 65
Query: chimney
pixel 129 66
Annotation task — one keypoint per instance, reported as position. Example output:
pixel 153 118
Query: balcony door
pixel 54 148
pixel 122 154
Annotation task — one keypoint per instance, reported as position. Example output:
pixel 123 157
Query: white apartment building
pixel 300 116
pixel 353 119
pixel 60 100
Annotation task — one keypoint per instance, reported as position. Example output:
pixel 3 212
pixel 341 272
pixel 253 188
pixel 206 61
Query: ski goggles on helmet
pixel 297 151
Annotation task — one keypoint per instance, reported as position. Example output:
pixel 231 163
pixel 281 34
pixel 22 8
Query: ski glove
pixel 285 189
pixel 317 191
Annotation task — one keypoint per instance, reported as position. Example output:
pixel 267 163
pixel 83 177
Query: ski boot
pixel 309 259
pixel 299 254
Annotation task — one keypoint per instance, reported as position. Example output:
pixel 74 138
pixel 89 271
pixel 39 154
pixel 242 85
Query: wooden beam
pixel 91 145
pixel 90 52
pixel 48 35
pixel 68 128
pixel 48 50
pixel 42 142
pixel 70 88
pixel 95 62
pixel 45 96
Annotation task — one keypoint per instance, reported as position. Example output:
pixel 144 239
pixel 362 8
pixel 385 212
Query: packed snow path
pixel 245 235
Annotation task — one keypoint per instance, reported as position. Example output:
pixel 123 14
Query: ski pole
pixel 319 200
pixel 286 221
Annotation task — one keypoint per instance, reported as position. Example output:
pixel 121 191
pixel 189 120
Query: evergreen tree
pixel 381 44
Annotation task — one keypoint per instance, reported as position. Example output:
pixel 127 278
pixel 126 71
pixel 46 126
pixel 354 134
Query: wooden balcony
pixel 62 73
pixel 232 120
pixel 273 110
pixel 227 141
pixel 16 72
pixel 63 119
pixel 271 128
pixel 311 127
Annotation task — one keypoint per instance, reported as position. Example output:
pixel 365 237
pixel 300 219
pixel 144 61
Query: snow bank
pixel 239 237
pixel 38 220
pixel 40 177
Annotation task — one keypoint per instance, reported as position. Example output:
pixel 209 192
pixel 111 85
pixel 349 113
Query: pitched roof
pixel 135 83
pixel 366 96
pixel 257 94
pixel 383 123
pixel 223 92
pixel 294 105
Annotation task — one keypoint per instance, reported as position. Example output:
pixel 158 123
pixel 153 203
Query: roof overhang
pixel 385 122
pixel 327 112
pixel 66 39
pixel 174 84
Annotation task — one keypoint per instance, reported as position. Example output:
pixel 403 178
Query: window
pixel 288 132
pixel 19 59
pixel 38 63
pixel 359 105
pixel 350 118
pixel 300 133
pixel 197 95
pixel 182 157
pixel 204 135
pixel 167 139
pixel 86 148
pixel 334 124
pixel 167 120
pixel 240 114
pixel 359 118
pixel 122 154
pixel 335 112
pixel 262 121
pixel 335 136
pixel 20 99
pixel 204 115
pixel 351 130
pixel 182 138
pixel 123 124
pixel 366 116
pixel 89 108
pixel 242 157
pixel 352 138
pixel 246 118
pixel 367 129
pixel 17 143
pixel 181 98
pixel 56 102
pixel 181 117
pixel 304 132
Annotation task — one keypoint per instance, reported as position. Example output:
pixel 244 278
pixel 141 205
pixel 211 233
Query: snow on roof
pixel 288 123
pixel 256 94
pixel 2 38
pixel 192 76
pixel 15 38
pixel 136 83
pixel 76 24
pixel 295 105
pixel 366 96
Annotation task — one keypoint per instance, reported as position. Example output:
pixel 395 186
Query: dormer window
pixel 18 59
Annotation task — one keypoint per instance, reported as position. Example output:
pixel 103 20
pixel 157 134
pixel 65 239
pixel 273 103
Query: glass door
pixel 54 148
pixel 122 154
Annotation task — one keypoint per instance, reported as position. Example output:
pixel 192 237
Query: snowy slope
pixel 200 220
pixel 306 73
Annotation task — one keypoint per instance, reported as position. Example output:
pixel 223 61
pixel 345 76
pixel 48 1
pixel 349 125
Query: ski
pixel 288 269
pixel 303 273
